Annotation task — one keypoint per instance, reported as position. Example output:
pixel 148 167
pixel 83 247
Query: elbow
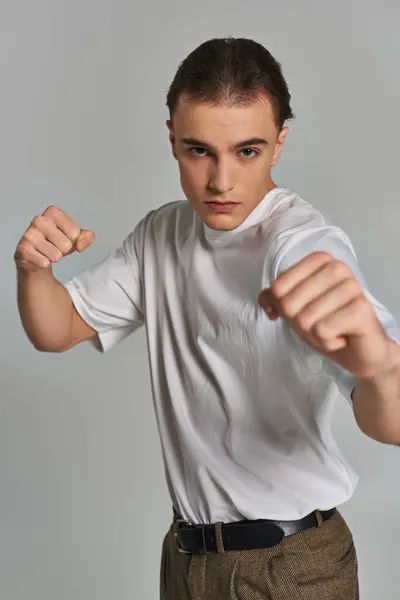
pixel 49 348
pixel 389 441
pixel 384 435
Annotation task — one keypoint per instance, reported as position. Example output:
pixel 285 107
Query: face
pixel 225 155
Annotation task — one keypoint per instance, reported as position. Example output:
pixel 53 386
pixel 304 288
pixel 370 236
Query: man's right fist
pixel 49 237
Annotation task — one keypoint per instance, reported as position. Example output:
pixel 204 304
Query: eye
pixel 249 150
pixel 197 151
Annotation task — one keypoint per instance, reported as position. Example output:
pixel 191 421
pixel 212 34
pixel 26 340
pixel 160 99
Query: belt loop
pixel 320 520
pixel 219 539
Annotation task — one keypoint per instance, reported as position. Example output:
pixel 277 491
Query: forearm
pixel 45 309
pixel 376 403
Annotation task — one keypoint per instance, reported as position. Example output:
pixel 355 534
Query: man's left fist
pixel 326 306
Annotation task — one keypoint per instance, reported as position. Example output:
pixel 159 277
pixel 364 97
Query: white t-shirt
pixel 243 406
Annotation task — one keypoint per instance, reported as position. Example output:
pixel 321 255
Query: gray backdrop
pixel 83 502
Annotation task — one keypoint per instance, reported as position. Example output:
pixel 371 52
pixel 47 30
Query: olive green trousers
pixel 316 564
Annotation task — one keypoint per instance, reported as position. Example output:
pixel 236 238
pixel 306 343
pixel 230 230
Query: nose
pixel 221 179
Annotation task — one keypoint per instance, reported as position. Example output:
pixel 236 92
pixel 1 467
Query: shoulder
pixel 291 214
pixel 159 225
pixel 178 214
pixel 297 229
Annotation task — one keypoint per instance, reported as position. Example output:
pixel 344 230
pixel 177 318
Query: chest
pixel 218 292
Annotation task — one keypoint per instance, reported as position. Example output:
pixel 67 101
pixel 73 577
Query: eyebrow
pixel 251 142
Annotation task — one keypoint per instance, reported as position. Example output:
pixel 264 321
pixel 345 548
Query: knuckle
pixel 52 253
pixel 21 249
pixel 339 269
pixel 275 287
pixel 322 331
pixel 322 254
pixel 52 211
pixel 56 256
pixel 39 222
pixel 67 245
pixel 330 345
pixel 30 235
pixel 286 306
pixel 75 233
pixel 353 286
pixel 360 305
pixel 347 272
pixel 36 221
pixel 303 322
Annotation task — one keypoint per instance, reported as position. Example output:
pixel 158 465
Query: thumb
pixel 85 239
pixel 268 304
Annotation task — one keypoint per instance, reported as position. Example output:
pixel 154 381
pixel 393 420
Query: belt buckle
pixel 178 547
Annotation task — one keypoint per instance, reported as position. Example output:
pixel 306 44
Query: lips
pixel 221 203
pixel 222 207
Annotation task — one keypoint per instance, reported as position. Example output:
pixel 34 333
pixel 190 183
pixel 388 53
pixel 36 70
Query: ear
pixel 172 137
pixel 279 145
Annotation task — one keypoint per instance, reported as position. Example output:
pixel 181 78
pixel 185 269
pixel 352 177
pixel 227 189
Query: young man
pixel 258 319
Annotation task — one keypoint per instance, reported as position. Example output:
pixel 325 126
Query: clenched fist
pixel 49 238
pixel 326 307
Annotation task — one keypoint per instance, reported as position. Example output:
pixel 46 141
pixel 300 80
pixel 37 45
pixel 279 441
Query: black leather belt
pixel 239 535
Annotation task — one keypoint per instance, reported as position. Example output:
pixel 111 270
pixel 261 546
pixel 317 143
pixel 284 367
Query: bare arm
pixel 47 313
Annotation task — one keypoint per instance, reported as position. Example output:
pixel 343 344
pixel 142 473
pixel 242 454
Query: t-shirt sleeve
pixel 333 240
pixel 108 296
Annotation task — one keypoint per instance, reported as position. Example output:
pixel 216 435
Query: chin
pixel 221 222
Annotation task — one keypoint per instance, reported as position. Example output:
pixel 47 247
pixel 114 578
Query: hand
pixel 327 308
pixel 49 238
